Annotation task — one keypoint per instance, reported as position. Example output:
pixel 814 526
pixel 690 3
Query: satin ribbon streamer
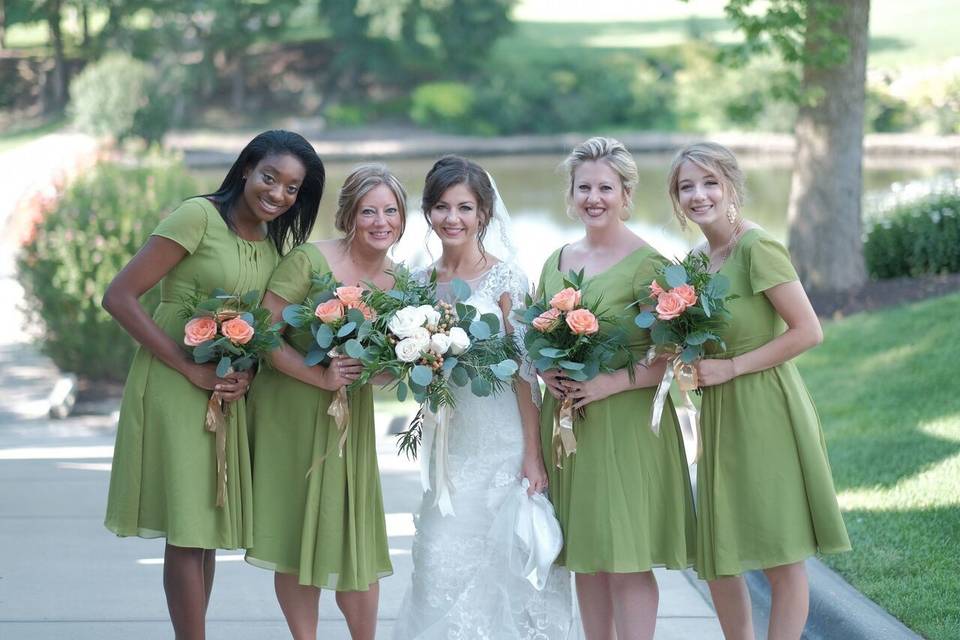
pixel 216 423
pixel 434 433
pixel 339 410
pixel 564 441
pixel 686 376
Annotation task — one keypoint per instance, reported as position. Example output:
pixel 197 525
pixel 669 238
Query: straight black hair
pixel 295 225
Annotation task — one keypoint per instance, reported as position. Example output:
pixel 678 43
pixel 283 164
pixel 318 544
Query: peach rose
pixel 547 321
pixel 582 322
pixel 565 299
pixel 349 296
pixel 329 311
pixel 367 311
pixel 199 330
pixel 237 331
pixel 687 293
pixel 670 305
pixel 655 289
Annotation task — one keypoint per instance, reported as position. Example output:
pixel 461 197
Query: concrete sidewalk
pixel 62 575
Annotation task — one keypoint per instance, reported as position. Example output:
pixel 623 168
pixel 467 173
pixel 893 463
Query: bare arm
pixel 532 467
pixel 289 361
pixel 803 333
pixel 154 261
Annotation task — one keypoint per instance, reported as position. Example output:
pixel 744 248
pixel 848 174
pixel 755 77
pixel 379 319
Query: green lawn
pixel 885 385
pixel 22 136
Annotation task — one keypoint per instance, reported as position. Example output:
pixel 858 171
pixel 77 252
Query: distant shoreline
pixel 210 149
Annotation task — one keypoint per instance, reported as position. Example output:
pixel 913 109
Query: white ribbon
pixel 434 434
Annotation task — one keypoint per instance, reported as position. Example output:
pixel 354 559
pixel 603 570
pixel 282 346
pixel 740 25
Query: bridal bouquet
pixel 334 316
pixel 235 332
pixel 565 334
pixel 688 310
pixel 427 344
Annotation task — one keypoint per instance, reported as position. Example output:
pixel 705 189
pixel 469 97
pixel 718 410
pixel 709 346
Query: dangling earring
pixel 732 214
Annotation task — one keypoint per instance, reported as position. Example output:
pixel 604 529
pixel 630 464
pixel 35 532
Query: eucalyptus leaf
pixel 492 321
pixel 459 376
pixel 422 375
pixel 314 357
pixel 401 391
pixel 346 329
pixel 449 362
pixel 460 289
pixel 250 298
pixel 247 317
pixel 354 349
pixel 705 303
pixel 690 354
pixel 291 315
pixel 243 363
pixel 698 337
pixel 324 336
pixel 479 330
pixel 645 319
pixel 571 366
pixel 719 286
pixel 480 387
pixel 552 352
pixel 579 376
pixel 223 367
pixel 675 275
pixel 504 370
pixel 355 316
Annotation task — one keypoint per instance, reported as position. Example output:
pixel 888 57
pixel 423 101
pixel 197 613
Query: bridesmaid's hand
pixel 339 373
pixel 231 388
pixel 712 372
pixel 534 471
pixel 601 386
pixel 554 378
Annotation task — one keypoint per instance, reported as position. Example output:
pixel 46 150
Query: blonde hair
pixel 361 181
pixel 615 154
pixel 716 159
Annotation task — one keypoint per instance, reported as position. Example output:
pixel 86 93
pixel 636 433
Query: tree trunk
pixel 238 87
pixel 825 195
pixel 3 24
pixel 59 59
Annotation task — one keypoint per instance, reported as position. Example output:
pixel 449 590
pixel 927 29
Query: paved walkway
pixel 62 575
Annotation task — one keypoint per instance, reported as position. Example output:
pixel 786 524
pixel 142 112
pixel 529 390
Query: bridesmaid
pixel 319 522
pixel 163 482
pixel 623 499
pixel 765 493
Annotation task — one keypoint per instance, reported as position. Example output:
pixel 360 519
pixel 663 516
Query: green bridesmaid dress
pixel 623 500
pixel 327 526
pixel 765 494
pixel 163 482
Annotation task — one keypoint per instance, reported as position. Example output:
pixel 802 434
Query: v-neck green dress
pixel 765 494
pixel 328 528
pixel 623 500
pixel 163 482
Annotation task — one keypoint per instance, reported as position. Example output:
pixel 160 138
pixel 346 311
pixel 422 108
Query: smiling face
pixel 378 221
pixel 598 197
pixel 456 217
pixel 700 194
pixel 271 187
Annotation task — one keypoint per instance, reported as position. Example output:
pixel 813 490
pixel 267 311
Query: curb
pixel 837 610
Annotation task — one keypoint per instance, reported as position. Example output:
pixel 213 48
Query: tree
pixel 829 42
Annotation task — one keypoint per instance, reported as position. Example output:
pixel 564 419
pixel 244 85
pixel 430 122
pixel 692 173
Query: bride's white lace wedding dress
pixel 462 588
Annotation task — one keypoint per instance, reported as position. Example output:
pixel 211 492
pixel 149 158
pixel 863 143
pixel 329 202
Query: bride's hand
pixel 599 387
pixel 554 378
pixel 534 471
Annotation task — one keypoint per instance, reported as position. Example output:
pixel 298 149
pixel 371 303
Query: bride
pixel 461 585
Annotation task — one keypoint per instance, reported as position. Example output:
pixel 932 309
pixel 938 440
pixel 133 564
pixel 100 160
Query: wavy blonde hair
pixel 615 154
pixel 361 181
pixel 716 159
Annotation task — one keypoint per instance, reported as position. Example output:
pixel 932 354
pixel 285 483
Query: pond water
pixel 533 189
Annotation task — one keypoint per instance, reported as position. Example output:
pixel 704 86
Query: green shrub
pixel 120 96
pixel 100 222
pixel 917 238
pixel 445 105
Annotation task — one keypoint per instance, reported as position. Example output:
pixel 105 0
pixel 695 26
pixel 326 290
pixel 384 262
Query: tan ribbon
pixel 564 441
pixel 216 423
pixel 434 433
pixel 339 409
pixel 687 381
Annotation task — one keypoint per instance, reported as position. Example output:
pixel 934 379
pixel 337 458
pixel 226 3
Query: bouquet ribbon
pixel 435 431
pixel 339 410
pixel 564 442
pixel 686 376
pixel 216 423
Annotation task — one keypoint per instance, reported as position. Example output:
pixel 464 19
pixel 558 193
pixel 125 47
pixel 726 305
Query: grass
pixel 885 386
pixel 19 137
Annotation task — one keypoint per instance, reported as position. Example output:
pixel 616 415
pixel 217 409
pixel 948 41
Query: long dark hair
pixel 450 171
pixel 296 223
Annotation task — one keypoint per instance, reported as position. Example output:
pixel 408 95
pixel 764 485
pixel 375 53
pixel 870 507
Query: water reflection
pixel 533 190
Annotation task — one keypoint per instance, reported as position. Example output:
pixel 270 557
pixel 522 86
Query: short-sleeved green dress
pixel 623 500
pixel 163 482
pixel 328 527
pixel 765 494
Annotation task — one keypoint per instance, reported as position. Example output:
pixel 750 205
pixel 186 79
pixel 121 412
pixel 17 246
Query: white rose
pixel 459 341
pixel 431 315
pixel 439 343
pixel 421 336
pixel 408 350
pixel 405 321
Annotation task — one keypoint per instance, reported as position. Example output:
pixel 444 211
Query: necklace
pixel 719 256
